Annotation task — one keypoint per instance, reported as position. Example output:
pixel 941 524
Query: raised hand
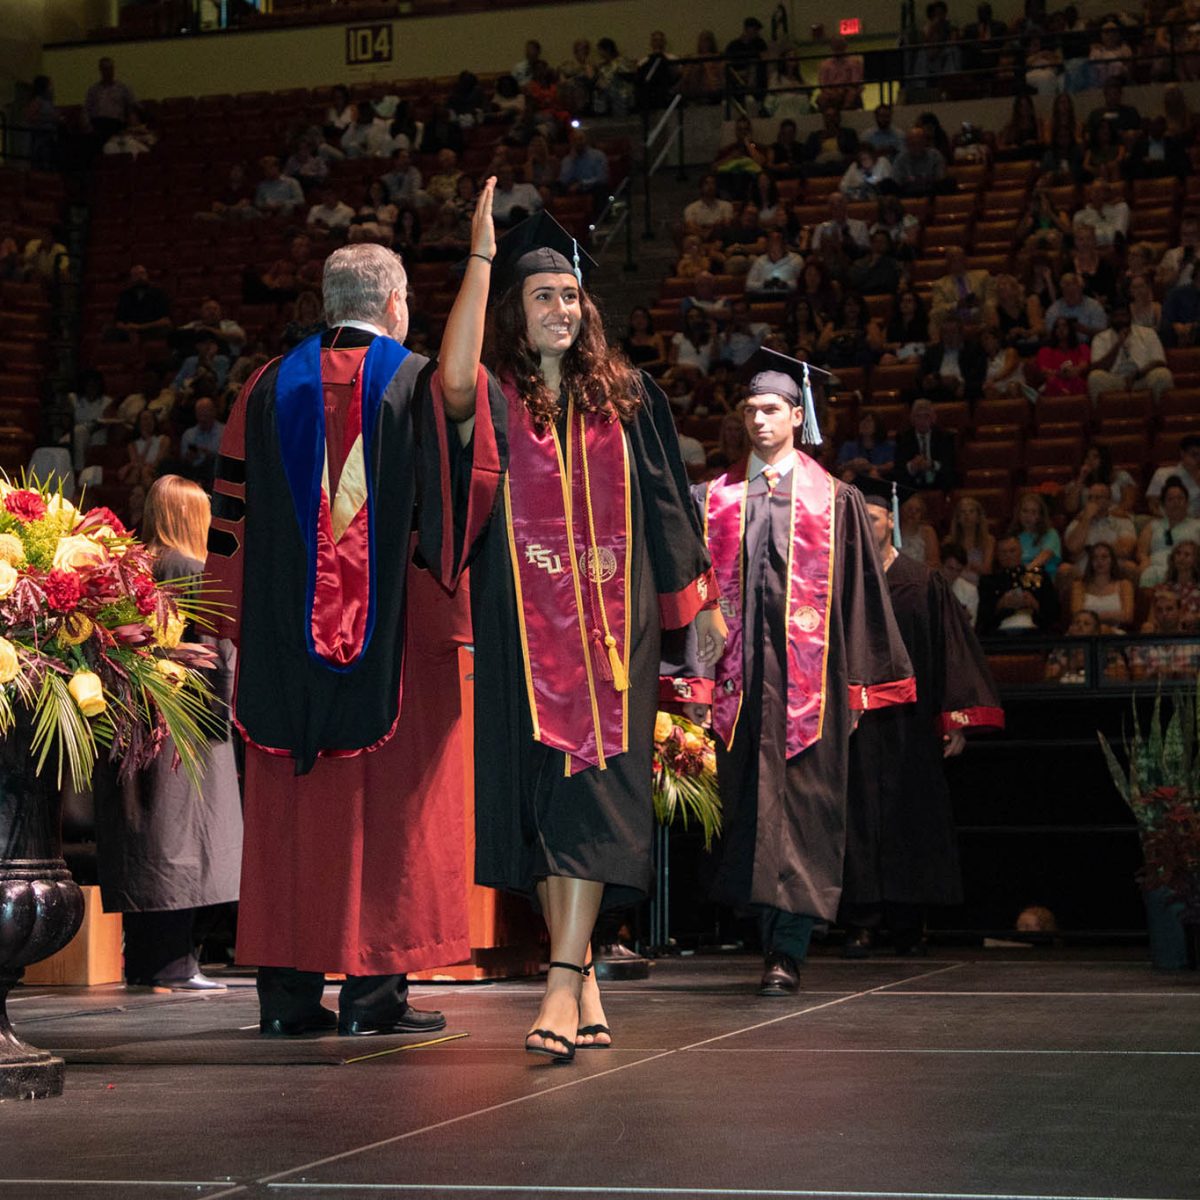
pixel 483 229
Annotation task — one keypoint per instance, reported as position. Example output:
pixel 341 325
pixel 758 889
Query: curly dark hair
pixel 598 376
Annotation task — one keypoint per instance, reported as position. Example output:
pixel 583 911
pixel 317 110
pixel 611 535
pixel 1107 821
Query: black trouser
pixel 162 945
pixel 785 932
pixel 905 922
pixel 288 995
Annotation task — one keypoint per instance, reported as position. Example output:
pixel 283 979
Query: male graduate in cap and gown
pixel 901 852
pixel 812 646
pixel 593 548
pixel 347 693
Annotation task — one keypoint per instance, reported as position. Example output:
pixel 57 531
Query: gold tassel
pixel 620 678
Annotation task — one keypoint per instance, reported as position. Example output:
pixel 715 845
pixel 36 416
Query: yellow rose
pixel 60 506
pixel 8 578
pixel 12 551
pixel 168 636
pixel 74 552
pixel 75 630
pixel 692 743
pixel 171 671
pixel 662 727
pixel 10 665
pixel 88 693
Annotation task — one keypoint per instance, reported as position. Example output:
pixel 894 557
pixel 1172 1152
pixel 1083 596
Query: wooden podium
pixel 503 928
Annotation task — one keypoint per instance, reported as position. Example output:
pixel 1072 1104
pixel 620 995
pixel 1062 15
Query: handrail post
pixel 680 170
pixel 648 232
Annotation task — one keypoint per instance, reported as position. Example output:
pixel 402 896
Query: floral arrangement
pixel 1161 785
pixel 90 643
pixel 685 775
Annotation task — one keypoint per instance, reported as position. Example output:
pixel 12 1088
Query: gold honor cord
pixel 619 673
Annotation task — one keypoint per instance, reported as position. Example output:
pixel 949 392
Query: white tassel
pixel 810 431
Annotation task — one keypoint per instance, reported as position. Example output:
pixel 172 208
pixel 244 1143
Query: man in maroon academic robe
pixel 353 855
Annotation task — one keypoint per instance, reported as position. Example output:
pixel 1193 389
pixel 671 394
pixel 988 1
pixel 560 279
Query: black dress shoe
pixel 781 976
pixel 323 1020
pixel 858 944
pixel 411 1020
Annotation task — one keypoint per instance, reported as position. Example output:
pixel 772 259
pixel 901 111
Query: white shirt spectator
pixel 862 185
pixel 739 344
pixel 775 275
pixel 851 231
pixel 1160 477
pixel 283 192
pixel 331 216
pixel 967 594
pixel 1108 221
pixel 520 195
pixel 1177 267
pixel 706 215
pixel 687 355
pixel 196 438
pixel 1142 347
pixel 404 187
pixel 1104 529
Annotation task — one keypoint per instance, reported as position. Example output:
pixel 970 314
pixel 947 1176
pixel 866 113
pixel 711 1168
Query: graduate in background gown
pixel 592 549
pixel 347 692
pixel 902 852
pixel 812 646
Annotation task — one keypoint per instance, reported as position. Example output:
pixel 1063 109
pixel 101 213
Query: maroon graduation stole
pixel 809 595
pixel 567 510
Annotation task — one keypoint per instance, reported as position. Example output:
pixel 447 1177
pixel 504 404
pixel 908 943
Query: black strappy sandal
pixel 558 1056
pixel 595 1031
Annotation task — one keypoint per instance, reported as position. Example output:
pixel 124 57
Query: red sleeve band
pixel 684 689
pixel 866 697
pixel 677 609
pixel 980 717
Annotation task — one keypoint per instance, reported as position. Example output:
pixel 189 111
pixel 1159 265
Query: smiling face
pixel 553 313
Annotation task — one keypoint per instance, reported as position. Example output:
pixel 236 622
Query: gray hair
pixel 358 280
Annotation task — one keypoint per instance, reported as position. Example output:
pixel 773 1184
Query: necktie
pixel 1169 537
pixel 771 476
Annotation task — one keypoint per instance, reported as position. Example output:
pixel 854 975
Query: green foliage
pixel 688 796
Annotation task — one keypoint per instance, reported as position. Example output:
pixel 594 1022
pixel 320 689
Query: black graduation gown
pixel 531 819
pixel 901 846
pixel 784 824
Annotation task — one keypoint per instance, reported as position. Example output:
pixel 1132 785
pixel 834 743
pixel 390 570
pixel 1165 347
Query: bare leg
pixel 591 1012
pixel 570 907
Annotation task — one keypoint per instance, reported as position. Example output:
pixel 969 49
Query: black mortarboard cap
pixel 885 493
pixel 536 246
pixel 767 372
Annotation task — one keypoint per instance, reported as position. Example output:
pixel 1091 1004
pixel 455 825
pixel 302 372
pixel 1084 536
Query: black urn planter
pixel 41 906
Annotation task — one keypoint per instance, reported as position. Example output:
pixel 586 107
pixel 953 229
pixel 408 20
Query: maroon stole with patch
pixel 567 509
pixel 809 595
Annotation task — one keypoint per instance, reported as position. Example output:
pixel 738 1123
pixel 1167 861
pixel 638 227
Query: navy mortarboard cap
pixel 770 373
pixel 539 245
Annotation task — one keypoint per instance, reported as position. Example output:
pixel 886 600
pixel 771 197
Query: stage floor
pixel 994 1074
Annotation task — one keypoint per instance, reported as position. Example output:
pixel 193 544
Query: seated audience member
pixel 443 183
pixel 1127 357
pixel 207 357
pixel 375 220
pixel 512 202
pixel 871 453
pixel 904 228
pixel 1109 58
pixel 1121 118
pixel 878 272
pixel 1178 265
pixel 444 239
pixel 968 293
pixel 1176 659
pixel 1183 575
pixel 466 100
pixel 708 213
pixel 1144 311
pixel 786 158
pixel 704 297
pixel 831 148
pixel 840 76
pixel 277 194
pixel 1021 136
pixel 341 113
pixel 1104 154
pixel 804 327
pixel 775 273
pixel 703 79
pixel 1004 376
pixel 1186 470
pixel 951 367
pixel 969 529
pixel 693 348
pixel 45 258
pixel 1088 315
pixel 742 335
pixel 307 317
pixel 1101 588
pixel 695 259
pixel 848 339
pixel 1097 523
pixel 145 452
pixel 523 71
pixel 742 241
pixel 1097 466
pixel 330 214
pixel 642 345
pixel 954 559
pixel 1043 224
pixel 1041 547
pixel 1181 316
pixel 1097 273
pixel 403 181
pixel 143 310
pixel 883 137
pixel 907 332
pixel 1156 154
pixel 918 540
pixel 1161 534
pixel 740 164
pixel 1107 215
pixel 286 277
pixel 1014 598
pixel 577 77
pixel 864 176
pixel 822 292
pixel 231 337
pixel 200 443
pixel 613 91
pixel 924 453
pixel 306 165
pixel 919 169
pixel 840 228
pixel 236 199
pixel 91 409
pixel 150 386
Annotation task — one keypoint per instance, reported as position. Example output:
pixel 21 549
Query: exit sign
pixel 849 26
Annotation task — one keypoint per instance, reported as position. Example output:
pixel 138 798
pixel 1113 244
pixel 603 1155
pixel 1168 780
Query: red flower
pixel 145 594
pixel 100 516
pixel 29 506
pixel 62 588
